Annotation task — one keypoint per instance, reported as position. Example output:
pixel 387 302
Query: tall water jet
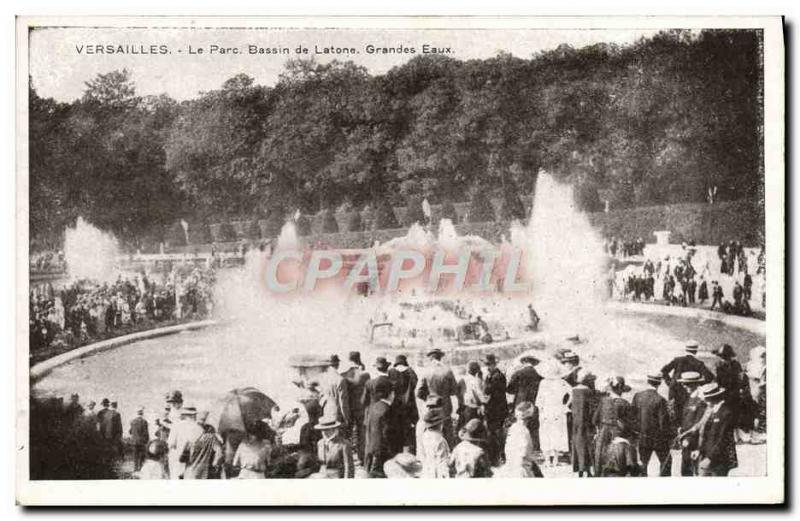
pixel 91 253
pixel 564 252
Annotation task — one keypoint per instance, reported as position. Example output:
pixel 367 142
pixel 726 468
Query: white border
pixel 445 492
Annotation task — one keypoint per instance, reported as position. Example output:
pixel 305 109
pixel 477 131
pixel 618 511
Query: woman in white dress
pixel 554 394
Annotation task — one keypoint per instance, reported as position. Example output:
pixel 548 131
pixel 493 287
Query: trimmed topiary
pixel 303 225
pixel 384 216
pixel 414 213
pixel 175 235
pixel 449 211
pixel 226 233
pixel 329 224
pixel 480 207
pixel 354 223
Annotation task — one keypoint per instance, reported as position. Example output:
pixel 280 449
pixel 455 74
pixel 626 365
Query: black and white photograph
pixel 489 250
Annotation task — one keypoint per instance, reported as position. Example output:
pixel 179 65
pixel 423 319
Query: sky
pixel 60 71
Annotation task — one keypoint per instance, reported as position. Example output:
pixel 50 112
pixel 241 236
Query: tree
pixel 303 225
pixel 511 206
pixel 448 211
pixel 354 223
pixel 200 233
pixel 254 230
pixel 274 224
pixel 414 213
pixel 226 233
pixel 329 224
pixel 480 207
pixel 175 236
pixel 384 216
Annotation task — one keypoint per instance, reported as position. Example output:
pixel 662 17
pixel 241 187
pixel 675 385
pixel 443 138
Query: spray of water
pixel 90 252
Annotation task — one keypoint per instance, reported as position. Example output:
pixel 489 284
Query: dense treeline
pixel 659 121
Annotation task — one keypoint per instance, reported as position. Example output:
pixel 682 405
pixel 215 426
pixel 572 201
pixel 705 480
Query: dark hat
pixel 712 390
pixel 174 396
pixel 381 362
pixel 528 359
pixel 335 359
pixel 473 367
pixel 433 401
pixel 524 410
pixel 692 346
pixel 188 411
pixel 114 404
pixel 617 384
pixel 726 352
pixel 654 378
pixel 401 360
pixel 490 359
pixel 691 377
pixel 436 352
pixel 355 356
pixel 105 402
pixel 157 448
pixel 433 417
pixel 473 431
pixel 570 356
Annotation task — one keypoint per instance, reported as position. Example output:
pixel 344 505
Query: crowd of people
pixel 48 262
pixel 682 280
pixel 87 311
pixel 391 422
pixel 617 247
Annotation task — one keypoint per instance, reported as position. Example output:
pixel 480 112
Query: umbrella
pixel 243 409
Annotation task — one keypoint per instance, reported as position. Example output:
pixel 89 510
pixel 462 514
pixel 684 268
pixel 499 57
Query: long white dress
pixel 552 415
pixel 519 453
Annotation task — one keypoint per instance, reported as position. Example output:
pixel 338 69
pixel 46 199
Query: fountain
pixel 90 253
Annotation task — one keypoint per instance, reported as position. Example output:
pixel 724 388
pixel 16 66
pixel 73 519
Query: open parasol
pixel 242 410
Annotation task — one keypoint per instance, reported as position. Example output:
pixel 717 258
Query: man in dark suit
pixel 496 408
pixel 111 429
pixel 140 435
pixel 358 380
pixel 653 426
pixel 440 380
pixel 524 385
pixel 405 383
pixel 381 426
pixel 368 399
pixel 716 450
pixel 676 367
pixel 691 415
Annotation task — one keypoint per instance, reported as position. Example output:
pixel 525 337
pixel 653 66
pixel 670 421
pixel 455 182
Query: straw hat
pixel 524 410
pixel 403 465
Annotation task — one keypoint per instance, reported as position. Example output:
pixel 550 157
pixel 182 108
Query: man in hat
pixel 181 437
pixel 731 377
pixel 405 382
pixel 380 428
pixel 496 408
pixel 381 376
pixel 140 436
pixel 335 389
pixel 111 428
pixel 524 385
pixel 691 415
pixel 652 421
pixel 676 367
pixel 716 449
pixel 358 379
pixel 175 404
pixel 101 414
pixel 334 452
pixel 440 380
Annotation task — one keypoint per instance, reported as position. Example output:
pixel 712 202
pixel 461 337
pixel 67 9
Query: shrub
pixel 329 224
pixel 511 206
pixel 384 216
pixel 354 223
pixel 303 225
pixel 254 230
pixel 449 211
pixel 175 236
pixel 414 213
pixel 200 233
pixel 274 223
pixel 480 207
pixel 226 233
